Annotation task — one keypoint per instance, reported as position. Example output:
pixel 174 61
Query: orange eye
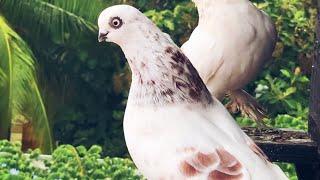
pixel 115 22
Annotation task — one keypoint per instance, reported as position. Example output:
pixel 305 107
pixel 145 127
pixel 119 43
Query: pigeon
pixel 229 47
pixel 174 129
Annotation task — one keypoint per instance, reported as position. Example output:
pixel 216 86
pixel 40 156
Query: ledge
pixel 282 145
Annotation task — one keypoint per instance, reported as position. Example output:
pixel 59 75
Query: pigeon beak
pixel 102 36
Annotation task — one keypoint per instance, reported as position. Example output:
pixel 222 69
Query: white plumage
pixel 174 129
pixel 230 45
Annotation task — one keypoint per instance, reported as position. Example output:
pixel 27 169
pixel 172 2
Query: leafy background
pixel 84 85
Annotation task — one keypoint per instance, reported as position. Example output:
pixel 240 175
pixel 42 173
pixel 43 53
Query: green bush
pixel 66 162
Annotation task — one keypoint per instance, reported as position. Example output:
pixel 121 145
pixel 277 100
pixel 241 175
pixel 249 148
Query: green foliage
pixel 295 20
pixel 20 95
pixel 289 170
pixel 178 22
pixel 66 162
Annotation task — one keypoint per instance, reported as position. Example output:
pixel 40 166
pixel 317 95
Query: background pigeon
pixel 174 129
pixel 230 45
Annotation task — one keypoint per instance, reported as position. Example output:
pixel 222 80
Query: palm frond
pixel 53 17
pixel 19 93
pixel 6 84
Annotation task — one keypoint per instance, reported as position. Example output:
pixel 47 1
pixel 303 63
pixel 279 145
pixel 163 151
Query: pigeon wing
pixel 218 164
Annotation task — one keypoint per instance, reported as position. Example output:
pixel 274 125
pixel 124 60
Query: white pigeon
pixel 230 45
pixel 173 128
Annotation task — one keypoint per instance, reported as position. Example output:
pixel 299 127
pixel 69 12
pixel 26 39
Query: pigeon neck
pixel 164 75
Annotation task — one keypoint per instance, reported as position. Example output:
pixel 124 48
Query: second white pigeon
pixel 174 129
pixel 230 45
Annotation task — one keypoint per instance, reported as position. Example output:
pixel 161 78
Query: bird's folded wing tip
pixel 219 164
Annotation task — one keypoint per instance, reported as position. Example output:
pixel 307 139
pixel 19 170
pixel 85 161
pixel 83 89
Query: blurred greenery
pixel 66 162
pixel 84 84
pixel 20 97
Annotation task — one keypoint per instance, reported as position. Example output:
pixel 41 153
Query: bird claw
pixel 248 107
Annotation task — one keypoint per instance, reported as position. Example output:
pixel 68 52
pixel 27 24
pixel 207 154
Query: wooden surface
pixel 314 116
pixel 285 145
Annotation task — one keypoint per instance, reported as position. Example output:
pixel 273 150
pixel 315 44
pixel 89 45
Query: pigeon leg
pixel 241 101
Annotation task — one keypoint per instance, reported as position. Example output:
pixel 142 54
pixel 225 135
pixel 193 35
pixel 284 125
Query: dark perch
pixel 312 170
pixel 314 116
pixel 295 147
pixel 300 148
pixel 284 145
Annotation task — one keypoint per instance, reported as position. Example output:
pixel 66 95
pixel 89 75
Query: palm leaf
pixel 19 93
pixel 6 83
pixel 60 18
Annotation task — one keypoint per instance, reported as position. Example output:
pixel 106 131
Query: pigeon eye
pixel 116 22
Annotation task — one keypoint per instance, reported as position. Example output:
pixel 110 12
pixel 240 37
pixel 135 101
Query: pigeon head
pixel 161 73
pixel 118 23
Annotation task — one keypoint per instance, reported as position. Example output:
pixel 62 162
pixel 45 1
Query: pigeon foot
pixel 241 101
